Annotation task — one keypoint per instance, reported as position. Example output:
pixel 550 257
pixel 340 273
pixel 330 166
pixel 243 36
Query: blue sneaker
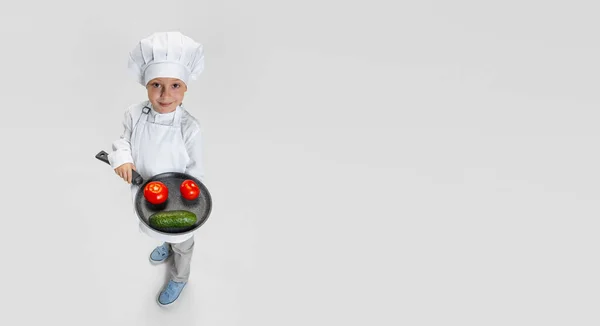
pixel 160 254
pixel 170 293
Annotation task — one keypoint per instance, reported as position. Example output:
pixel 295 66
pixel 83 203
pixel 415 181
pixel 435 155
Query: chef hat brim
pixel 166 70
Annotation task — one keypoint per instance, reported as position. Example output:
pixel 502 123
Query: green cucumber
pixel 172 219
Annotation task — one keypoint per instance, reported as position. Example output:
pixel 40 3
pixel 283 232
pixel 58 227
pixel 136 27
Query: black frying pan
pixel 201 206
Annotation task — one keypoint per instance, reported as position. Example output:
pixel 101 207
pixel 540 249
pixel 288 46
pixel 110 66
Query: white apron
pixel 157 148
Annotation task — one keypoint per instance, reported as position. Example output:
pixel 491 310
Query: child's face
pixel 166 94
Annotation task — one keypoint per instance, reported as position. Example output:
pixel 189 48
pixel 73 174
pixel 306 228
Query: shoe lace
pixel 171 288
pixel 163 251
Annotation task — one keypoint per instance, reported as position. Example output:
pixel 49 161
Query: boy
pixel 161 136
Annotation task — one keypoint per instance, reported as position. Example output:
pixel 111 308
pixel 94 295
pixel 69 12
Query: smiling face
pixel 166 94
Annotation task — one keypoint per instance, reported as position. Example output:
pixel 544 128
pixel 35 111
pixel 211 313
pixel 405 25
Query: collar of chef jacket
pixel 161 118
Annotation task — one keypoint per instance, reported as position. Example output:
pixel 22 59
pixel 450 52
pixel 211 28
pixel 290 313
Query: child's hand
pixel 124 171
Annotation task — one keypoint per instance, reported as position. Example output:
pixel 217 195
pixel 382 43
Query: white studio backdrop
pixel 371 163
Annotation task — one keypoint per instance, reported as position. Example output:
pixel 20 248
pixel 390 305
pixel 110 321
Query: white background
pixel 371 163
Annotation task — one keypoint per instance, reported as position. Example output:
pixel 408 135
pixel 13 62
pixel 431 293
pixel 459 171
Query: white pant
pixel 182 259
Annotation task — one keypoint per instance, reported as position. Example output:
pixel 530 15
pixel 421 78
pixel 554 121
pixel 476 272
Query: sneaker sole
pixel 157 262
pixel 168 304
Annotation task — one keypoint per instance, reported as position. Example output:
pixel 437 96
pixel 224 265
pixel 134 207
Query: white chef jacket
pixel 190 127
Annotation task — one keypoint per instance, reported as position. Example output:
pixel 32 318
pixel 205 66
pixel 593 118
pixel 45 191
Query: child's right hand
pixel 124 171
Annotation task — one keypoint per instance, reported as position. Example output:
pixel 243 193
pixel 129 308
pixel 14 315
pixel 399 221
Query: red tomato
pixel 189 190
pixel 156 192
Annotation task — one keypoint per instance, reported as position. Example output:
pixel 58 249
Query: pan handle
pixel 136 177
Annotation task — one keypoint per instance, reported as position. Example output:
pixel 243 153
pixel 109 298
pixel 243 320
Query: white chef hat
pixel 166 55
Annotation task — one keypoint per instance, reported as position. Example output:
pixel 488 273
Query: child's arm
pixel 194 148
pixel 121 153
